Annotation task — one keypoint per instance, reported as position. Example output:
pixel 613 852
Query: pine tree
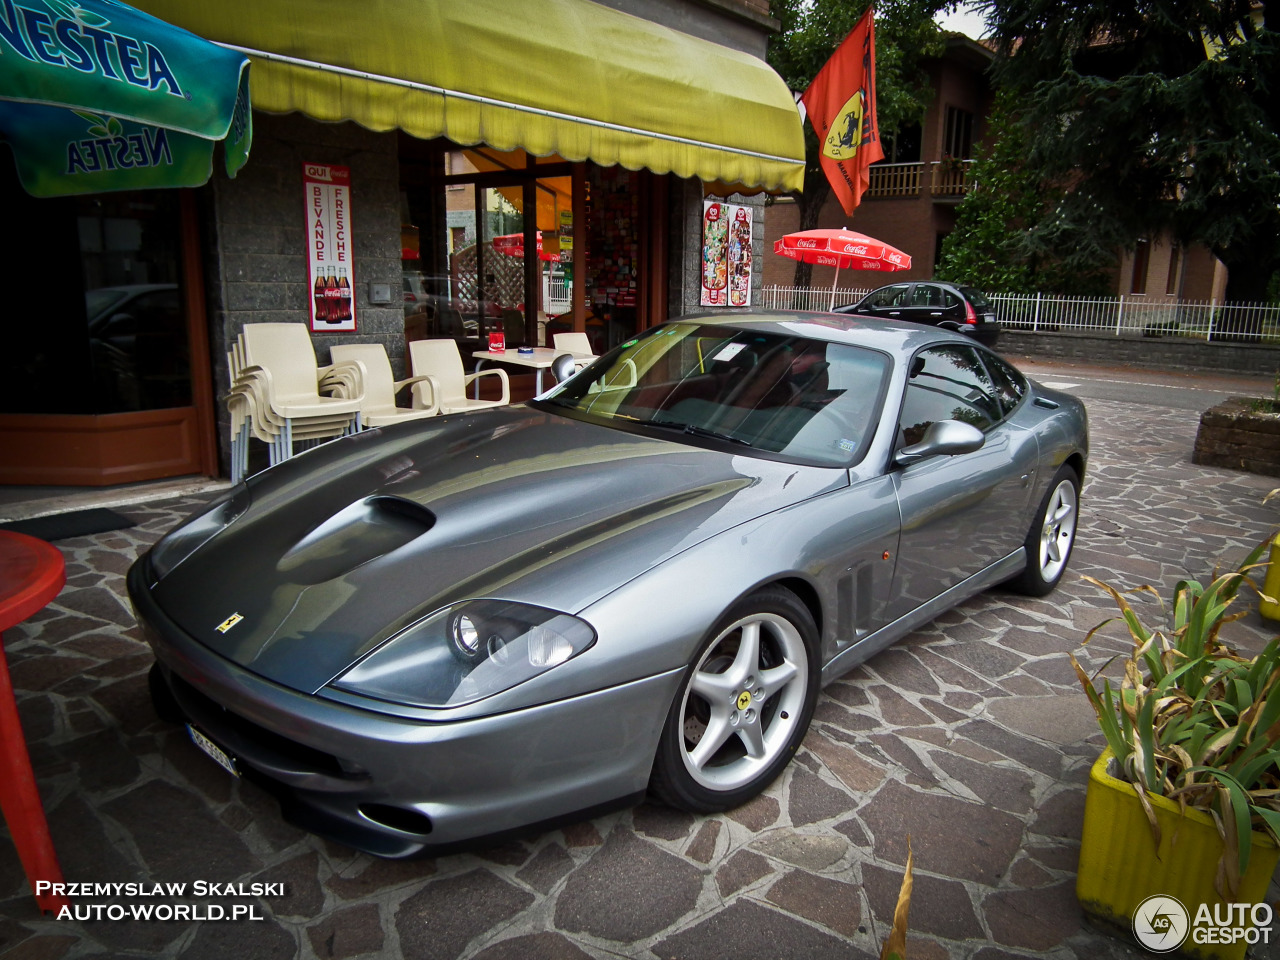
pixel 1152 115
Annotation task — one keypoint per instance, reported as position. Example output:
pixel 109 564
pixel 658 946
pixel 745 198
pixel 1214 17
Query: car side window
pixel 1010 385
pixel 926 295
pixel 950 300
pixel 948 383
pixel 895 296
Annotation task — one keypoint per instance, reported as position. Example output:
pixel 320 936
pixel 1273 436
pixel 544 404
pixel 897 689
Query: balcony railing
pixel 947 179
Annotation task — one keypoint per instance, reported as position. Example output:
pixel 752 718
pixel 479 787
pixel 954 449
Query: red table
pixel 31 574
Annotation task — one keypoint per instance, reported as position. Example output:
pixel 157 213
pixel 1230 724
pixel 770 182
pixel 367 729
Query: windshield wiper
pixel 696 431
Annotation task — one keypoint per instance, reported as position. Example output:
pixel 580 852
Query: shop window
pixel 96 319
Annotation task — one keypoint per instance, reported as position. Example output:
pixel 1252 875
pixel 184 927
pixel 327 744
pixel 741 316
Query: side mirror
pixel 944 437
pixel 563 367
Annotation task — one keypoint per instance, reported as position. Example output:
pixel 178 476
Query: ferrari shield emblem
pixel 847 134
pixel 230 622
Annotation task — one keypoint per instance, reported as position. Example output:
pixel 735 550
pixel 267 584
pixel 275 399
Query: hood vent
pixel 365 530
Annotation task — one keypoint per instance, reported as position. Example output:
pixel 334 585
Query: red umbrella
pixel 512 244
pixel 841 248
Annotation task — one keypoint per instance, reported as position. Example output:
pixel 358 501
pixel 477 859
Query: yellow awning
pixel 568 77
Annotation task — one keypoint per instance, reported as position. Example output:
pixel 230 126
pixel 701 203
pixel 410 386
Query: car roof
pixel 888 335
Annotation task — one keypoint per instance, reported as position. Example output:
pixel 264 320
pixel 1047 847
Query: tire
pixel 1052 535
pixel 162 699
pixel 767 644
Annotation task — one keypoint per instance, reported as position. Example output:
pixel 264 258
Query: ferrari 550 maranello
pixel 468 625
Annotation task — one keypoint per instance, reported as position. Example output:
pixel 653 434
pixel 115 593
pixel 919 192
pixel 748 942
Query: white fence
pixel 1113 316
pixel 555 295
pixel 806 298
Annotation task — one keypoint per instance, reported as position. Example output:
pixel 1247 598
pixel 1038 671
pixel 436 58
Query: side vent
pixel 853 604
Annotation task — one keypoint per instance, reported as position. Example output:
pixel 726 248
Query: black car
pixel 935 303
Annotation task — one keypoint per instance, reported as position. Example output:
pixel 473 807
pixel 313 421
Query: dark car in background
pixel 935 303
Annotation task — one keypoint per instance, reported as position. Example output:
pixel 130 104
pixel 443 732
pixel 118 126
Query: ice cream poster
pixel 726 255
pixel 328 193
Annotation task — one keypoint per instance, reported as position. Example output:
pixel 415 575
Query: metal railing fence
pixel 1123 315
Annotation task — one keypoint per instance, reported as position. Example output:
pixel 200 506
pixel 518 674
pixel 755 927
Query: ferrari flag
pixel 841 105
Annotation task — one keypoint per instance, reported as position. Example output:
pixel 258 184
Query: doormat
pixel 77 523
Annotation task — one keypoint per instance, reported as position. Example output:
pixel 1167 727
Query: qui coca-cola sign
pixel 328 193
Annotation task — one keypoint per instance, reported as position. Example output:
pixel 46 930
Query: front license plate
pixel 220 756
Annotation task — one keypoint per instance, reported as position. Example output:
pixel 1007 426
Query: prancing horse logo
pixel 230 622
pixel 850 129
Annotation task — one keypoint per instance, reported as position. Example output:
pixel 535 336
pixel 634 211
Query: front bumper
pixel 398 787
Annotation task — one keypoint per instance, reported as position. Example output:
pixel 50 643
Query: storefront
pixel 472 134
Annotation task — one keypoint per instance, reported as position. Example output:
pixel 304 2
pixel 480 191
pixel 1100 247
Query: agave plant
pixel 1194 721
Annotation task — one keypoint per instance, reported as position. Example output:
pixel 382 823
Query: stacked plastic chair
pixel 363 370
pixel 275 395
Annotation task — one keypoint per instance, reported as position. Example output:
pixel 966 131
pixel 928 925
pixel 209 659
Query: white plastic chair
pixel 443 383
pixel 577 344
pixel 378 388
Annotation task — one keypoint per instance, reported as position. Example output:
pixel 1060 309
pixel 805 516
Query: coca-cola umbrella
pixel 512 244
pixel 842 249
pixel 98 96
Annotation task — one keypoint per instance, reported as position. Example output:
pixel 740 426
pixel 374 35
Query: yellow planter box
pixel 1119 866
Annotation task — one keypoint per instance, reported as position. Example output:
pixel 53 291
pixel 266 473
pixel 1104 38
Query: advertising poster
pixel 740 257
pixel 715 254
pixel 328 189
pixel 726 255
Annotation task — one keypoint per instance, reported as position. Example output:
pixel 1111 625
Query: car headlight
pixel 467 652
pixel 181 543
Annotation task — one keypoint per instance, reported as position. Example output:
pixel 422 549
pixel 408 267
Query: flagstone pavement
pixel 971 737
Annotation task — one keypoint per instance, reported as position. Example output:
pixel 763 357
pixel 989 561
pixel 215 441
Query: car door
pixel 887 301
pixel 959 513
pixel 924 304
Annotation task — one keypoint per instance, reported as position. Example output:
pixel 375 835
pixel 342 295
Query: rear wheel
pixel 1052 535
pixel 743 708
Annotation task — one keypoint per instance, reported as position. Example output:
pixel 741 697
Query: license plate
pixel 220 756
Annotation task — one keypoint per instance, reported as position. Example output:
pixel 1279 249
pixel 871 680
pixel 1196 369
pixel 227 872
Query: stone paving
pixel 971 737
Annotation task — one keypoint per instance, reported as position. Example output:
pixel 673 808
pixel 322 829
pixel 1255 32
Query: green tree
pixel 811 30
pixel 998 241
pixel 1151 115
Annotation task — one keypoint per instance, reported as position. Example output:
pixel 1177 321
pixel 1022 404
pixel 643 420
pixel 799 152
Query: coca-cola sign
pixel 807 244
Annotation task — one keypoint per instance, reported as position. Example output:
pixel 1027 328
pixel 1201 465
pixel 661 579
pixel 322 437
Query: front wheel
pixel 1052 535
pixel 743 708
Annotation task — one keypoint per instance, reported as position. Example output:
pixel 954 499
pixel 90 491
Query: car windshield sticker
pixel 848 446
pixel 730 351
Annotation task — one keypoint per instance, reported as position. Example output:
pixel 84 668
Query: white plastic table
pixel 540 359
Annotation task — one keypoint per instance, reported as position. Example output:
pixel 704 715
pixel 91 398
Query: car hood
pixel 344 546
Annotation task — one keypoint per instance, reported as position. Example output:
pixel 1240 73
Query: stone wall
pixel 1162 352
pixel 1235 436
pixel 256 240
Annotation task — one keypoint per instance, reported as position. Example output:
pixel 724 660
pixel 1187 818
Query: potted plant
pixel 1185 801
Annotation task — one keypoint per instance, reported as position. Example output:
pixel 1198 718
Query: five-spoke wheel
pixel 1052 535
pixel 744 707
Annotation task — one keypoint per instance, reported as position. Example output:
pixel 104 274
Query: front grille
pixel 252 741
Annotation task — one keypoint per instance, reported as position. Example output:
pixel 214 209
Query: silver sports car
pixel 469 625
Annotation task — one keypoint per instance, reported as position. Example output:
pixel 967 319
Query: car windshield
pixel 975 297
pixel 777 394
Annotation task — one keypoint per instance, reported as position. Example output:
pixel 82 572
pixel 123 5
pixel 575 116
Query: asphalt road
pixel 1192 391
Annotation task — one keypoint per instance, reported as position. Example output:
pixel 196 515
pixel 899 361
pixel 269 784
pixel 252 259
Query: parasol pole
pixel 831 309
